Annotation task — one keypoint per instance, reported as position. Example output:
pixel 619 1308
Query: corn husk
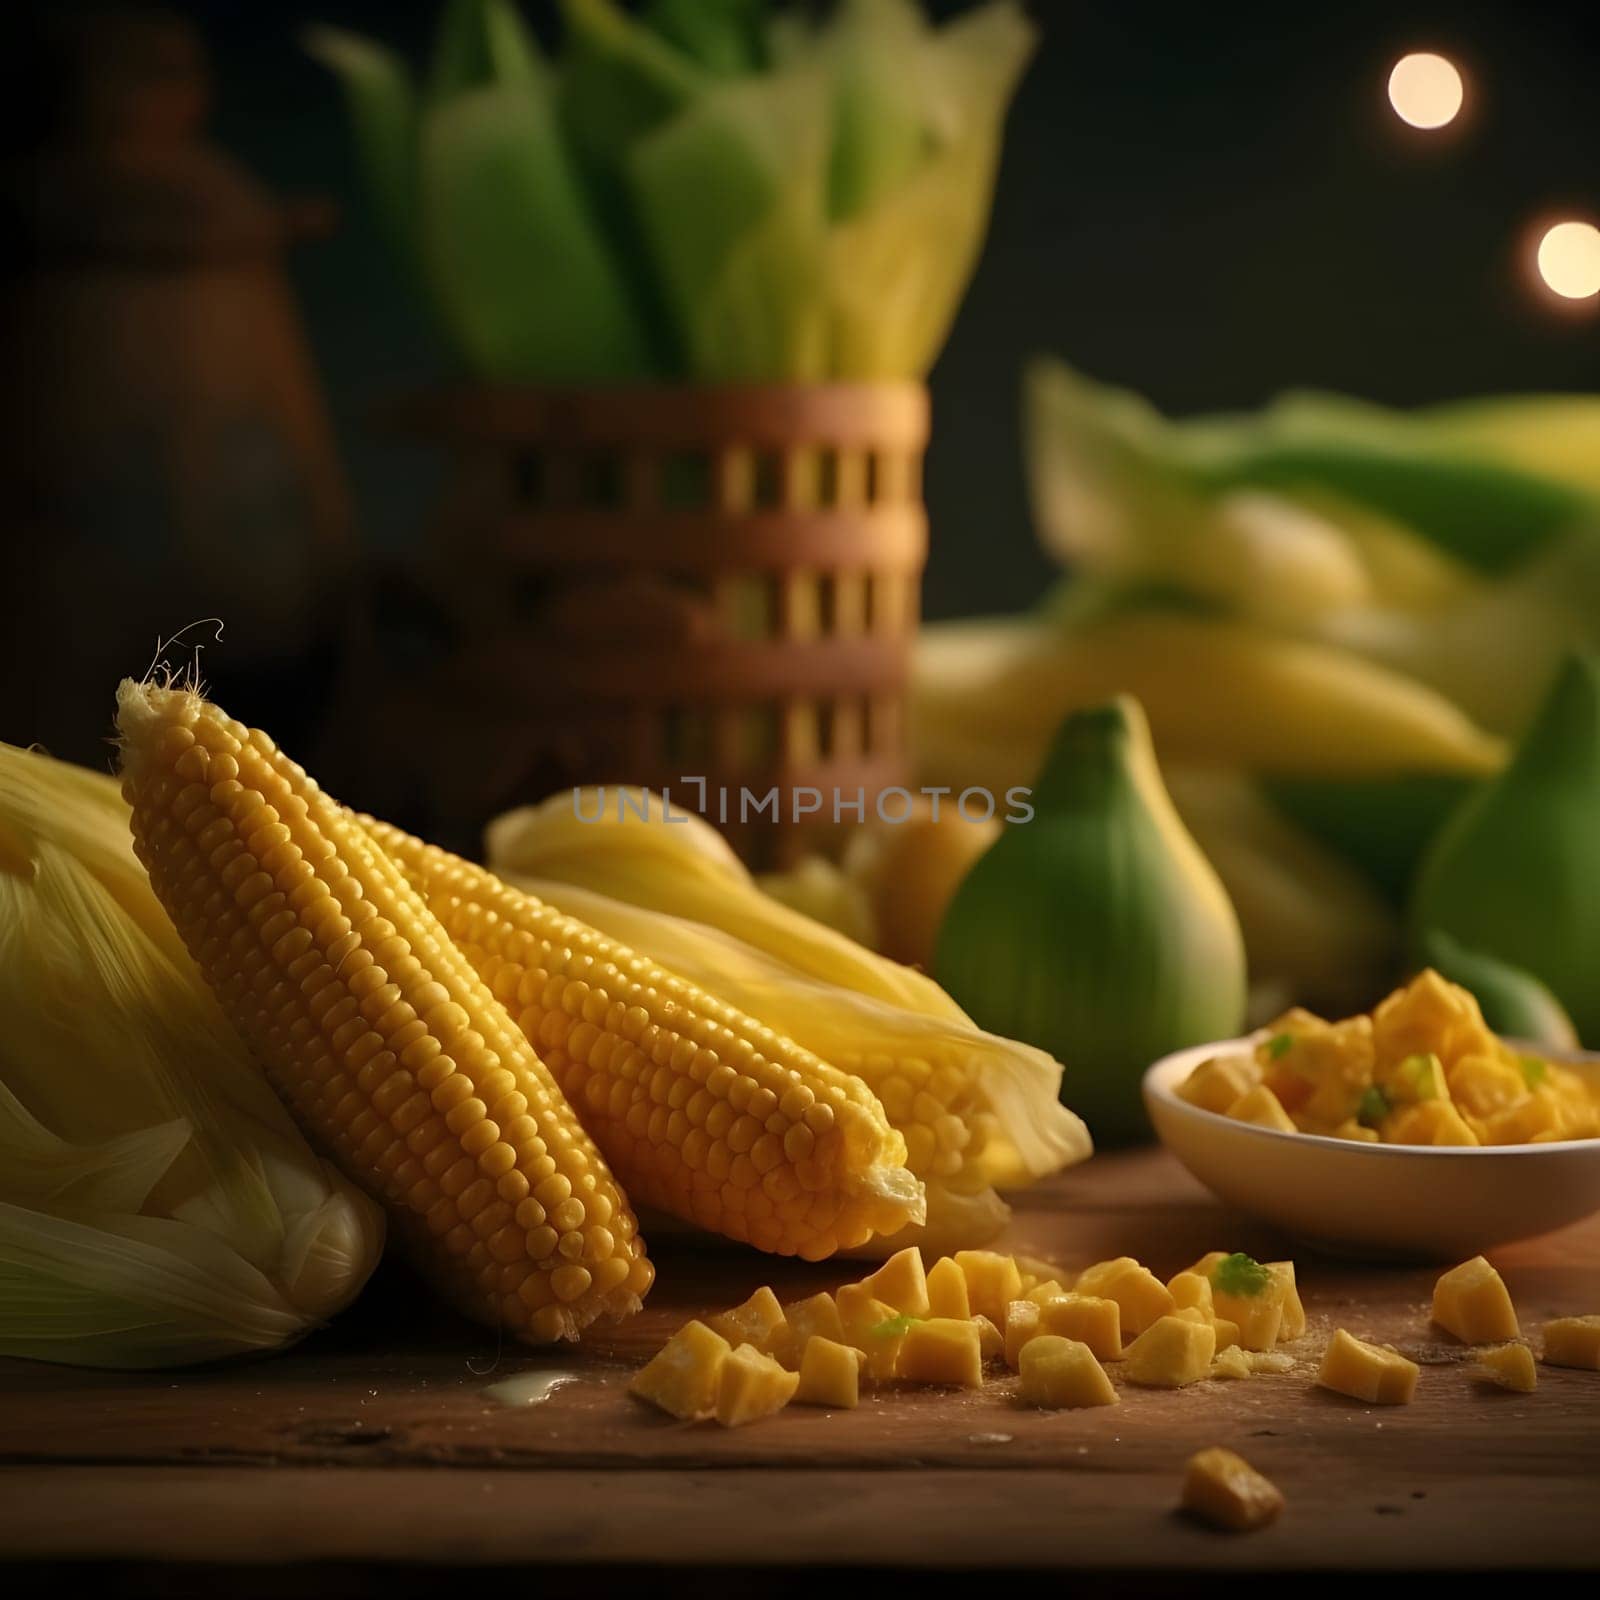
pixel 675 892
pixel 157 1207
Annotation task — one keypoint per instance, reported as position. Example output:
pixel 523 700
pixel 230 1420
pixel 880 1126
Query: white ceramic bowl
pixel 1385 1200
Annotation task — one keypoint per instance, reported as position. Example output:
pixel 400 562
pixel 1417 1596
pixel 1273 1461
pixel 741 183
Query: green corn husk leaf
pixel 1515 873
pixel 730 198
pixel 874 54
pixel 520 272
pixel 1514 1003
pixel 382 106
pixel 898 270
pixel 157 1206
pixel 1554 435
pixel 479 43
pixel 1098 931
pixel 726 37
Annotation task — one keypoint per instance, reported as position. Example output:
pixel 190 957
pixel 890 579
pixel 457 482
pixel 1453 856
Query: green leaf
pixel 482 42
pixel 383 116
pixel 1279 1046
pixel 893 1327
pixel 519 270
pixel 1374 1107
pixel 726 37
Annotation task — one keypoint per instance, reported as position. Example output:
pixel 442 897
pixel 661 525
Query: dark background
pixel 1207 203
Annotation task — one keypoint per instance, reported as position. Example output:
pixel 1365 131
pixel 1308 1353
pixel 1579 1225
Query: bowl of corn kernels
pixel 1410 1131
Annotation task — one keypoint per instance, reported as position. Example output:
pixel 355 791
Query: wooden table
pixel 372 1443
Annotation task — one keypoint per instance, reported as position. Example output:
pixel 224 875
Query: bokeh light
pixel 1569 260
pixel 1425 90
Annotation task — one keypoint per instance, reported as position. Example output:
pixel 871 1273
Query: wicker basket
pixel 654 585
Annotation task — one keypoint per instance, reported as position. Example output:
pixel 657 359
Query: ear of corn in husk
pixel 373 1027
pixel 979 1113
pixel 157 1206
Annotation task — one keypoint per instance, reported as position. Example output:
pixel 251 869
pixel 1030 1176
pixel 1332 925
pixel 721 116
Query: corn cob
pixel 703 1111
pixel 373 1028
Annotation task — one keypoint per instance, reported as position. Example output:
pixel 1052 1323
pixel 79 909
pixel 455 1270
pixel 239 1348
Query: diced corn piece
pixel 1022 1324
pixel 1262 1107
pixel 1218 1083
pixel 942 1350
pixel 759 1321
pixel 686 1373
pixel 1173 1351
pixel 991 1342
pixel 1231 1362
pixel 993 1282
pixel 875 1328
pixel 1143 1297
pixel 1509 1366
pixel 752 1386
pixel 1043 1292
pixel 1293 1324
pixel 1226 1330
pixel 1432 1122
pixel 374 1027
pixel 1278 1361
pixel 1061 1373
pixel 1573 1342
pixel 830 1375
pixel 816 1317
pixel 1472 1302
pixel 1369 1372
pixel 1259 1317
pixel 1090 1319
pixel 1191 1289
pixel 1226 1492
pixel 1042 1271
pixel 901 1282
pixel 947 1290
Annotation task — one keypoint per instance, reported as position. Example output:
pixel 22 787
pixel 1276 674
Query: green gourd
pixel 1515 873
pixel 1097 930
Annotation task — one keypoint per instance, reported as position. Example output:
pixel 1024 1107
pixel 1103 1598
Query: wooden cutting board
pixel 373 1442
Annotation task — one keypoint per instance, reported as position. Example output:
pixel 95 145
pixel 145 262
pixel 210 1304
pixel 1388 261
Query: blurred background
pixel 1204 208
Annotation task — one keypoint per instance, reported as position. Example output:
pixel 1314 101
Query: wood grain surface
pixel 372 1441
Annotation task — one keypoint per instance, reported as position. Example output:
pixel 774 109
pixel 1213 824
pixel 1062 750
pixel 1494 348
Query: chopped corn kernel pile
pixel 951 1323
pixel 979 1312
pixel 1423 1068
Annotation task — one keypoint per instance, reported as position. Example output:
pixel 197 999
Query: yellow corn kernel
pixel 1374 1373
pixel 1191 1289
pixel 1226 1330
pixel 830 1375
pixel 901 1282
pixel 993 1282
pixel 816 1317
pixel 373 1028
pixel 1292 1324
pixel 873 1327
pixel 1538 1115
pixel 685 1375
pixel 1483 1085
pixel 1472 1302
pixel 703 1111
pixel 1172 1352
pixel 1262 1107
pixel 942 1350
pixel 1258 1319
pixel 947 1290
pixel 1042 1272
pixel 1226 1492
pixel 1090 1319
pixel 1142 1296
pixel 759 1321
pixel 1276 1361
pixel 991 1342
pixel 1573 1342
pixel 1429 1016
pixel 1022 1324
pixel 1043 1292
pixel 1509 1366
pixel 1060 1373
pixel 1231 1362
pixel 1431 1122
pixel 1217 1083
pixel 752 1386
